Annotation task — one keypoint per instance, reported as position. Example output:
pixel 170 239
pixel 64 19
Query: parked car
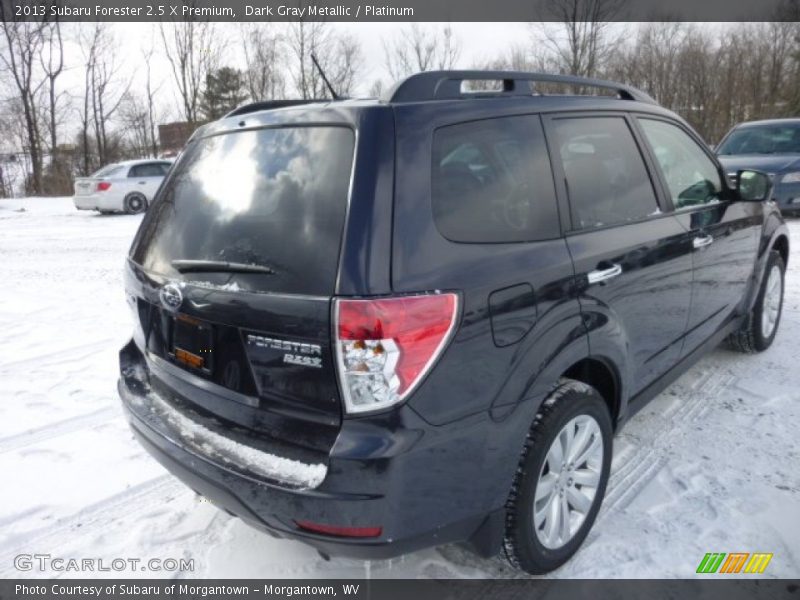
pixel 121 187
pixel 771 146
pixel 381 325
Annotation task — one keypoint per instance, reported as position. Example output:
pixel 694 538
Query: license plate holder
pixel 192 343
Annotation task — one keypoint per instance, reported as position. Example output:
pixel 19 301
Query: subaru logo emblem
pixel 171 296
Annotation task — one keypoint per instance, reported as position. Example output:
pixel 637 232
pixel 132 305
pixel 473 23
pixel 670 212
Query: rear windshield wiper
pixel 218 266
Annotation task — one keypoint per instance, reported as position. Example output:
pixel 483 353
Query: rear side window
pixel 270 197
pixel 607 181
pixel 492 182
pixel 147 170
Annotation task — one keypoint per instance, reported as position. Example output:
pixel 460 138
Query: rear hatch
pixel 231 278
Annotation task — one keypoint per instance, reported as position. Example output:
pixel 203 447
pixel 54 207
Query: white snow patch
pixel 215 446
pixel 227 287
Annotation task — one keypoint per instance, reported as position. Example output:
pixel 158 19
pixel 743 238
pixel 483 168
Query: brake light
pixel 385 346
pixel 354 532
pixel 102 186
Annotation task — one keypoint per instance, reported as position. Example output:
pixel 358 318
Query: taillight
pixel 385 346
pixel 102 186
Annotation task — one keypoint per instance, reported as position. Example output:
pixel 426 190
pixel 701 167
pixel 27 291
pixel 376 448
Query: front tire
pixel 758 331
pixel 561 479
pixel 135 203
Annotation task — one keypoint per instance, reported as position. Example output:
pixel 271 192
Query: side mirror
pixel 753 186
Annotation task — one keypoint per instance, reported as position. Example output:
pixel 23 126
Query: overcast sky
pixel 479 41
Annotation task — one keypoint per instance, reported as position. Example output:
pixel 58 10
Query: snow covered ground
pixel 711 465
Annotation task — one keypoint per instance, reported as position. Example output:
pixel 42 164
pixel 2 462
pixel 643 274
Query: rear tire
pixel 135 203
pixel 575 420
pixel 758 331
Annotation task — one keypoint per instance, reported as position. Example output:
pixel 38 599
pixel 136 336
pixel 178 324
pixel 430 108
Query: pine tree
pixel 224 91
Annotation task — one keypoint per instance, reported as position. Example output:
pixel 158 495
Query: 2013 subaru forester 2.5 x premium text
pixel 381 325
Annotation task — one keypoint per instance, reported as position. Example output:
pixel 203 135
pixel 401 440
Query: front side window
pixel 691 176
pixel 606 178
pixel 492 182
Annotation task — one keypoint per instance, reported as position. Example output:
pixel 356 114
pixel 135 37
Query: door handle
pixel 599 275
pixel 702 241
pixel 142 182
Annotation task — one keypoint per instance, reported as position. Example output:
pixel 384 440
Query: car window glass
pixel 691 176
pixel 108 171
pixel 147 170
pixel 492 182
pixel 763 139
pixel 607 181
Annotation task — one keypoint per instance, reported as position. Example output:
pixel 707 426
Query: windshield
pixel 270 197
pixel 763 139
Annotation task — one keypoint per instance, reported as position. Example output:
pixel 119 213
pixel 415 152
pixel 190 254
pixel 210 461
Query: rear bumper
pixel 374 476
pixel 96 202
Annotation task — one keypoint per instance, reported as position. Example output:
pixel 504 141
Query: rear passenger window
pixel 607 181
pixel 147 170
pixel 492 182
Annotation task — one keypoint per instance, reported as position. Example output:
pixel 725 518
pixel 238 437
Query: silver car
pixel 121 187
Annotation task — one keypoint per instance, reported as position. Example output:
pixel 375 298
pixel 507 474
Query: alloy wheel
pixel 568 482
pixel 771 304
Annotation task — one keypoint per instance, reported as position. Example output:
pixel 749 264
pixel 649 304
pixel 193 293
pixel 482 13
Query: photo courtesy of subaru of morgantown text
pixel 340 300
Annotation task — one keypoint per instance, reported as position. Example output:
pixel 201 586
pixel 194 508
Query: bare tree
pixel 23 43
pixel 193 49
pixel 421 49
pixel 150 99
pixel 52 62
pixel 264 55
pixel 583 39
pixel 104 89
pixel 339 56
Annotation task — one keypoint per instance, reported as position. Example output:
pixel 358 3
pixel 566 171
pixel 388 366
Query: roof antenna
pixel 334 95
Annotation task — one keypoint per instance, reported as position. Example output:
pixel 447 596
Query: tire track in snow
pixel 34 436
pixel 648 457
pixel 126 504
pixel 64 356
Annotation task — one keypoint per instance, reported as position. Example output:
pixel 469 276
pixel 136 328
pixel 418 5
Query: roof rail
pixel 442 85
pixel 268 105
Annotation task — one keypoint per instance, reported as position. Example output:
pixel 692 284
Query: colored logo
pixel 735 562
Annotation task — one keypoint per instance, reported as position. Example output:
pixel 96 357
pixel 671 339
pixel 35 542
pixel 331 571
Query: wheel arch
pixel 781 245
pixel 603 376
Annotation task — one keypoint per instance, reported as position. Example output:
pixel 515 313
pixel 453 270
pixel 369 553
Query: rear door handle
pixel 599 275
pixel 142 182
pixel 702 241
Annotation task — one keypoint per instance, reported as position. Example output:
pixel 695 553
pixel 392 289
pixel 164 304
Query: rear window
pixel 492 182
pixel 271 197
pixel 108 171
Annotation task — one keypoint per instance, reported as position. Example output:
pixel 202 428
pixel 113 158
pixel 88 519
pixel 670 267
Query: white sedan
pixel 121 187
